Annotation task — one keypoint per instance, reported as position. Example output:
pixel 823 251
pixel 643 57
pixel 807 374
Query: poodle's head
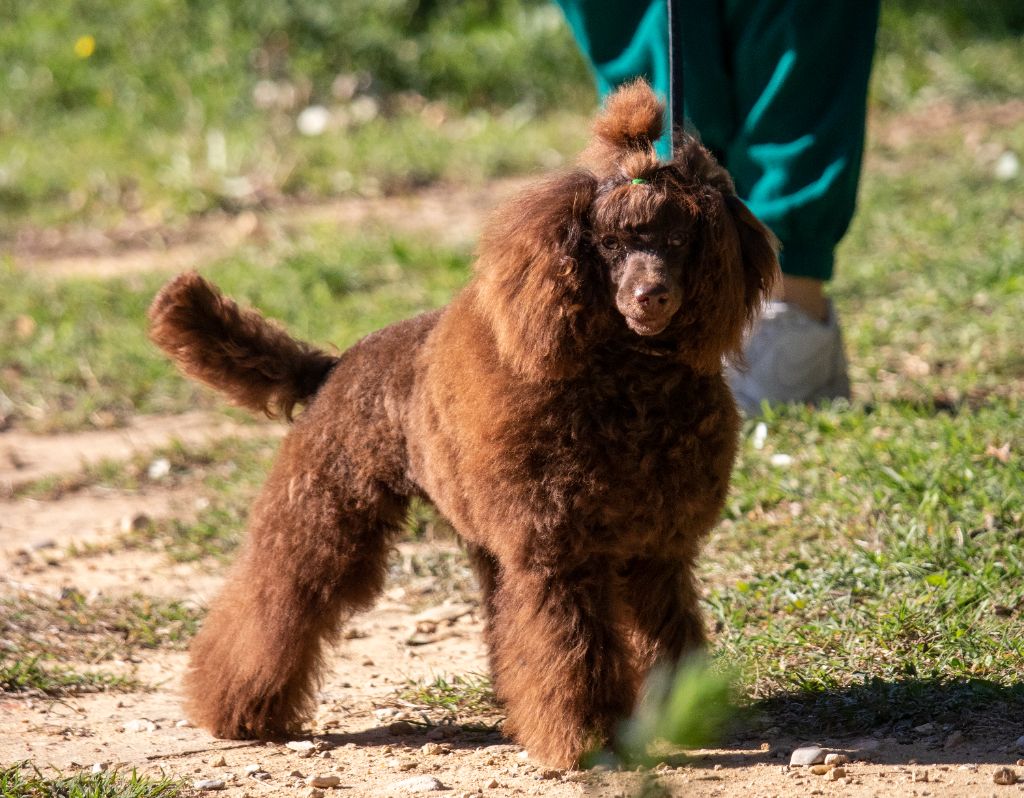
pixel 626 251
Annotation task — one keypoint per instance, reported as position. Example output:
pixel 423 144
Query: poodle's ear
pixel 743 237
pixel 530 284
pixel 758 254
pixel 632 120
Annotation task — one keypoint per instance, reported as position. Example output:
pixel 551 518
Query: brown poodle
pixel 566 413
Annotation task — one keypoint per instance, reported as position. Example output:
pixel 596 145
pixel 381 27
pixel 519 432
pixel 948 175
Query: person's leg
pixel 799 73
pixel 622 40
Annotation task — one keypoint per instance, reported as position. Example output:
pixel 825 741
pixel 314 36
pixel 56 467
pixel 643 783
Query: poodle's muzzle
pixel 648 294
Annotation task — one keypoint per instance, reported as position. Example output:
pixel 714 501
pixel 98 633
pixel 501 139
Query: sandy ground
pixel 354 733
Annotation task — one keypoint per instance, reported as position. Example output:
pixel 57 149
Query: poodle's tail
pixel 255 362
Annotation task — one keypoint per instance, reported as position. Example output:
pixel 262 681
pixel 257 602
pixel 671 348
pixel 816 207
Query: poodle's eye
pixel 610 242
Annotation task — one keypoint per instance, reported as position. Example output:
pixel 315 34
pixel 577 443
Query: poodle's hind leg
pixel 316 552
pixel 560 662
pixel 666 620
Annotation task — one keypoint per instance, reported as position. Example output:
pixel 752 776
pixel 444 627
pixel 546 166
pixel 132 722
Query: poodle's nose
pixel 651 294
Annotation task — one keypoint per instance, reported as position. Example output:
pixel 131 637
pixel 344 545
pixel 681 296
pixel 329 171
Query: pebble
pixel 919 776
pixel 492 784
pixel 820 770
pixel 183 724
pixel 550 773
pixel 836 773
pixel 836 759
pixel 297 774
pixel 100 767
pixel 417 784
pixel 808 755
pixel 159 469
pixel 323 781
pixel 433 749
pixel 216 762
pixel 1005 776
pixel 140 725
pixel 209 784
pixel 315 793
pixel 248 770
pixel 304 748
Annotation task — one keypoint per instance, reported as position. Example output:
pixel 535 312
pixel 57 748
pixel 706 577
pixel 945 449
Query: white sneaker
pixel 791 357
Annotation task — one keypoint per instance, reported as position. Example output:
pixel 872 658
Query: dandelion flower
pixel 85 46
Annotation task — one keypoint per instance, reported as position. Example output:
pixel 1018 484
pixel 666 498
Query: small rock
pixel 296 774
pixel 808 755
pixel 140 725
pixel 836 759
pixel 836 773
pixel 323 782
pixel 183 724
pixel 100 767
pixel 491 784
pixel 433 749
pixel 248 770
pixel 216 762
pixel 262 775
pixel 820 770
pixel 304 748
pixel 209 784
pixel 417 784
pixel 159 468
pixel 1005 776
pixel 919 776
pixel 550 773
pixel 384 713
pixel 315 793
pixel 401 727
pixel 1020 762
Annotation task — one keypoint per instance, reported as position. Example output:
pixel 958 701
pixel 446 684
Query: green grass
pixel 451 699
pixel 73 628
pixel 24 674
pixel 86 355
pixel 25 780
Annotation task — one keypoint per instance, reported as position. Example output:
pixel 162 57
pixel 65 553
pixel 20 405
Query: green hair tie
pixel 639 181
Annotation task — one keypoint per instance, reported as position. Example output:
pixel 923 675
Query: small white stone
pixel 1007 166
pixel 781 460
pixel 808 755
pixel 183 724
pixel 100 767
pixel 312 120
pixel 248 770
pixel 209 784
pixel 836 759
pixel 159 468
pixel 760 435
pixel 140 725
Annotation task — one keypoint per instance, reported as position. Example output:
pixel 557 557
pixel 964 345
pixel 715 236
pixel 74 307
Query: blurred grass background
pixel 157 109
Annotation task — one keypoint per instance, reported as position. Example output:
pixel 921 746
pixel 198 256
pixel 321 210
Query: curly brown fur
pixel 566 412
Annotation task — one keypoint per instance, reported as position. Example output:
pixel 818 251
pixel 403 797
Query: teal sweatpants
pixel 777 89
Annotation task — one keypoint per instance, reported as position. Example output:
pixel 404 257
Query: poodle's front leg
pixel 316 552
pixel 560 664
pixel 667 623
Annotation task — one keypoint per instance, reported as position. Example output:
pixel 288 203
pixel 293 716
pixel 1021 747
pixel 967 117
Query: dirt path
pixel 453 215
